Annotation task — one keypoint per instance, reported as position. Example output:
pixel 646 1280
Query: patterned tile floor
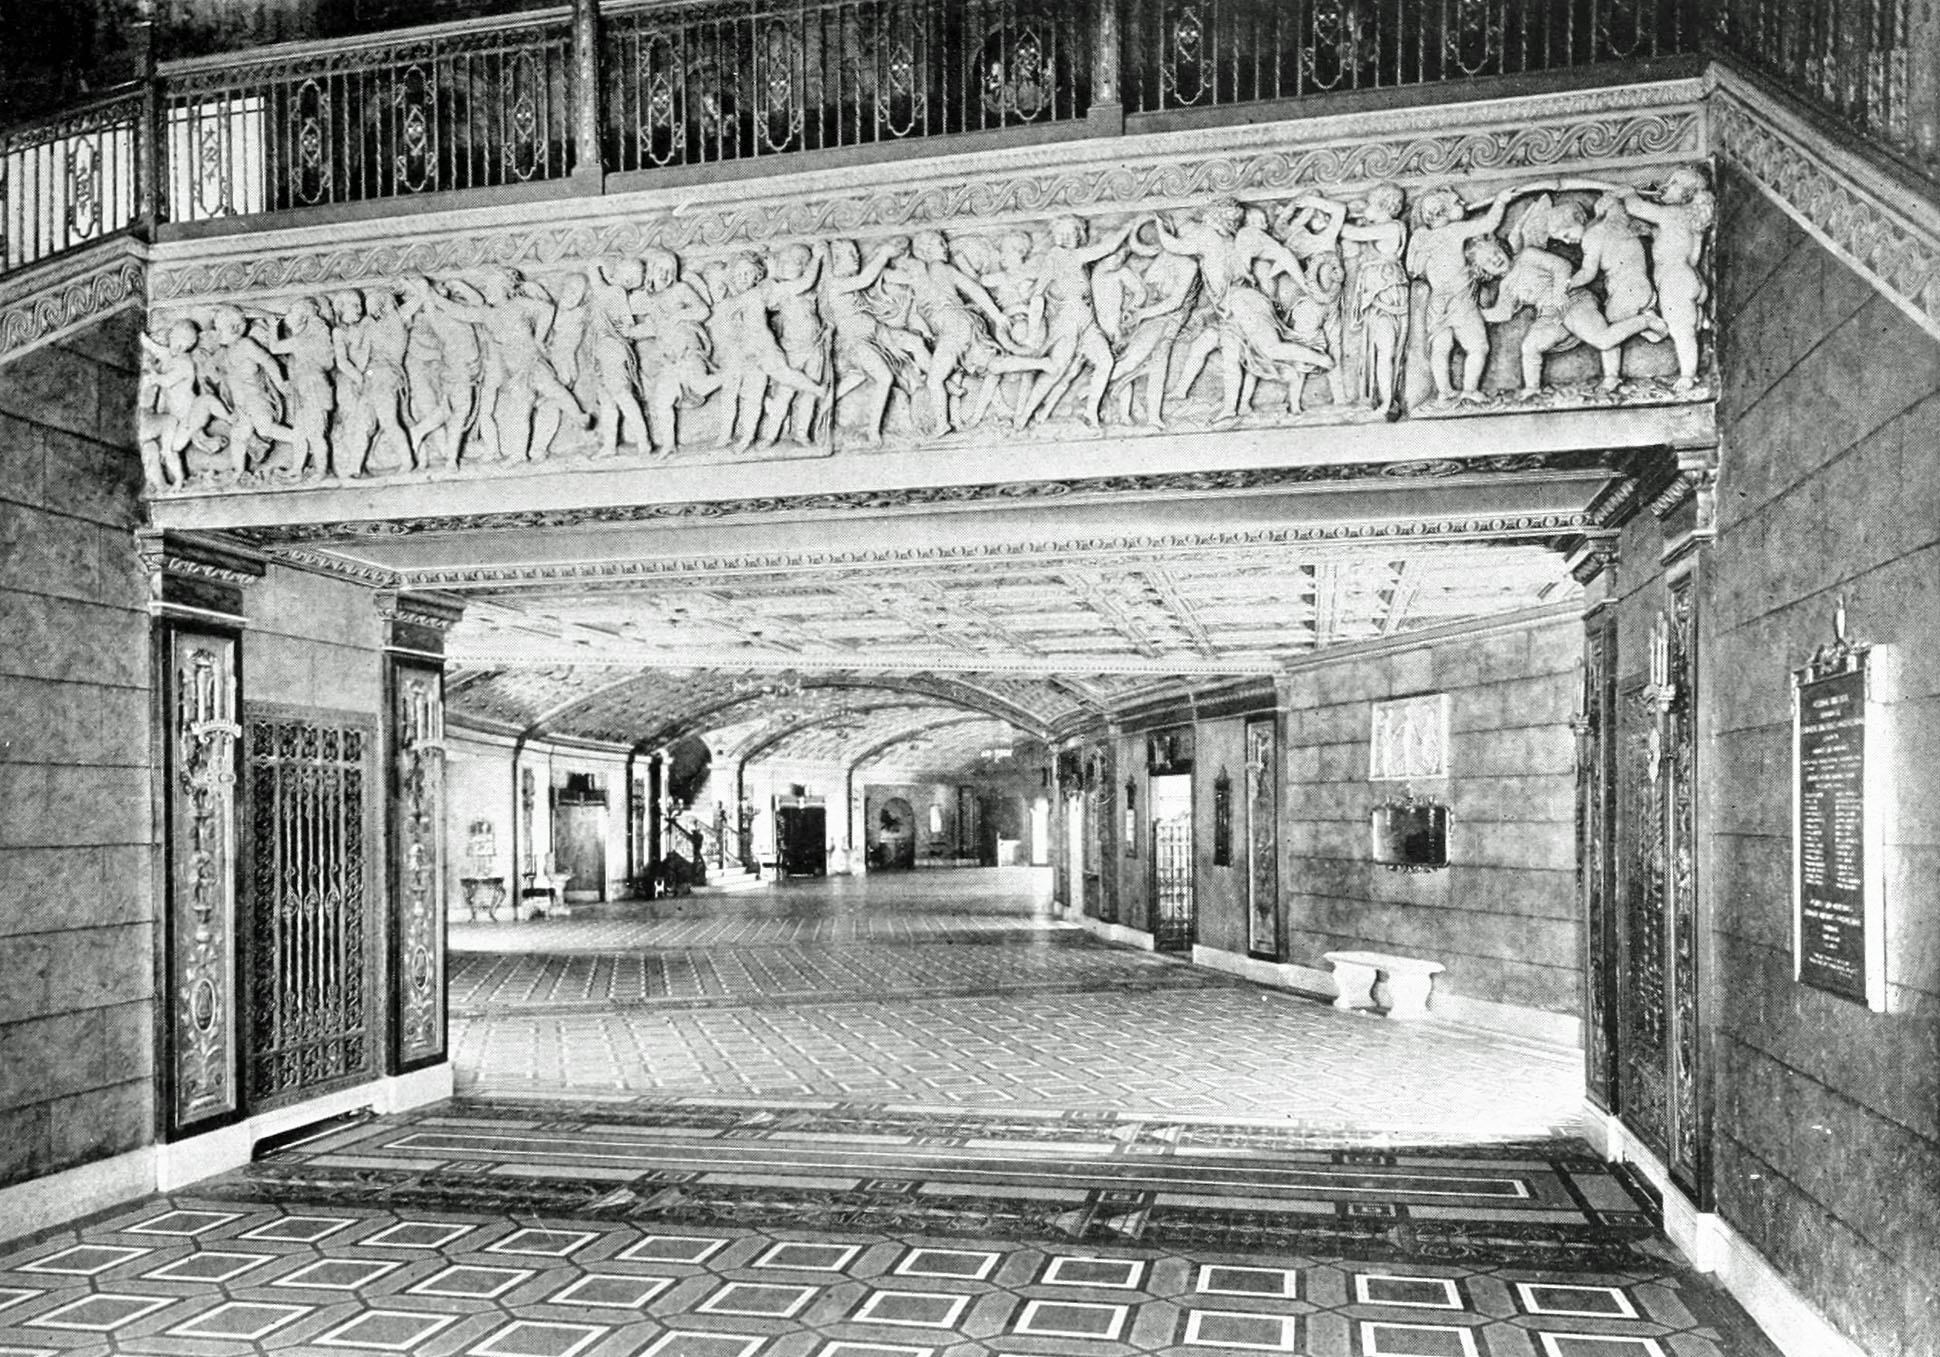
pixel 846 989
pixel 1113 1155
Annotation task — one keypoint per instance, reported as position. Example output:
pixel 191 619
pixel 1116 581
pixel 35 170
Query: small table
pixel 483 892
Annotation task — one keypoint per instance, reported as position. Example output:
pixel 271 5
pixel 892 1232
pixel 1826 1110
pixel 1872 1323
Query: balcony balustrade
pixel 639 89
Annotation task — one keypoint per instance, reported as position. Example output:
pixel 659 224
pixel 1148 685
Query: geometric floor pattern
pixel 902 1118
pixel 1038 1015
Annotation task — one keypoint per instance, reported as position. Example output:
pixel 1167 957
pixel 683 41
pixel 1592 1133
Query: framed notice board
pixel 1840 790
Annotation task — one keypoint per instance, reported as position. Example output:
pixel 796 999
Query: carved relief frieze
pixel 1426 274
pixel 39 305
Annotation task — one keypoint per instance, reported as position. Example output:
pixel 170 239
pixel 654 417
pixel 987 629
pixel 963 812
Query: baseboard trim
pixel 74 1194
pixel 1514 1020
pixel 1794 1325
pixel 1118 935
pixel 1286 975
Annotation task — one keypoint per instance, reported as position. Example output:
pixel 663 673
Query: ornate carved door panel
pixel 1656 1068
pixel 1595 858
pixel 199 687
pixel 1262 841
pixel 312 932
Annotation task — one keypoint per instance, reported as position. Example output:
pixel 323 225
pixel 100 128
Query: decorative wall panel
pixel 1596 824
pixel 1686 1115
pixel 1643 1020
pixel 1262 841
pixel 312 934
pixel 199 693
pixel 417 813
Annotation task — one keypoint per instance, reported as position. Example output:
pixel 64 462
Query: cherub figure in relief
pixel 1682 214
pixel 1013 285
pixel 864 344
pixel 804 343
pixel 309 356
pixel 1155 314
pixel 1246 330
pixel 942 296
pixel 1454 253
pixel 669 318
pixel 611 369
pixel 745 347
pixel 1539 279
pixel 445 368
pixel 1373 234
pixel 252 385
pixel 530 404
pixel 175 409
pixel 1071 318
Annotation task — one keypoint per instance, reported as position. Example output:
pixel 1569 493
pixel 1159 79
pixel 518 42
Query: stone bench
pixel 1408 981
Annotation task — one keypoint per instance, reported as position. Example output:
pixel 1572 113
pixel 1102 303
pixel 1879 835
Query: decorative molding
pixel 199 558
pixel 418 861
pixel 324 563
pixel 1636 125
pixel 1885 232
pixel 42 303
pixel 439 612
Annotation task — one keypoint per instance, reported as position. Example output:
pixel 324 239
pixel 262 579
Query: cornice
pixel 1884 231
pixel 1070 489
pixel 1497 529
pixel 341 567
pixel 198 558
pixel 43 303
pixel 439 612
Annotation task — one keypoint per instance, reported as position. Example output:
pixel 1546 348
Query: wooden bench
pixel 1408 981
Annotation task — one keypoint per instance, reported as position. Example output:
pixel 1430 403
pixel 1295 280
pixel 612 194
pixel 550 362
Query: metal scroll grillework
pixel 1172 884
pixel 308 959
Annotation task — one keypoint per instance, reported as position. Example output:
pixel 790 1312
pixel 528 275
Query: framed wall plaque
pixel 1840 786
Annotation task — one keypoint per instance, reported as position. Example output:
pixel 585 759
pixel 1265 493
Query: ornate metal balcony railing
pixel 70 180
pixel 461 107
pixel 1187 54
pixel 1875 64
pixel 491 104
pixel 699 83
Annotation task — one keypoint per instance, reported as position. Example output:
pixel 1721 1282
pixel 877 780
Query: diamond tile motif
pixel 14 1295
pixel 102 1313
pixel 679 1344
pixel 758 1298
pixel 1598 1345
pixel 243 1321
pixel 1120 1274
pixel 472 1283
pixel 300 1229
pixel 1432 1293
pixel 429 1235
pixel 84 1260
pixel 1591 1302
pixel 667 1248
pixel 924 1309
pixel 1226 1280
pixel 617 1293
pixel 872 1350
pixel 1382 1339
pixel 183 1222
pixel 969 1264
pixel 385 1330
pixel 800 1257
pixel 1071 1319
pixel 1237 1329
pixel 544 1243
pixel 209 1267
pixel 528 1338
pixel 337 1274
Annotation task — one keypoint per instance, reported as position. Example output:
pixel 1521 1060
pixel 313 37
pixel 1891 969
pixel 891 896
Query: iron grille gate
pixel 1172 883
pixel 309 958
